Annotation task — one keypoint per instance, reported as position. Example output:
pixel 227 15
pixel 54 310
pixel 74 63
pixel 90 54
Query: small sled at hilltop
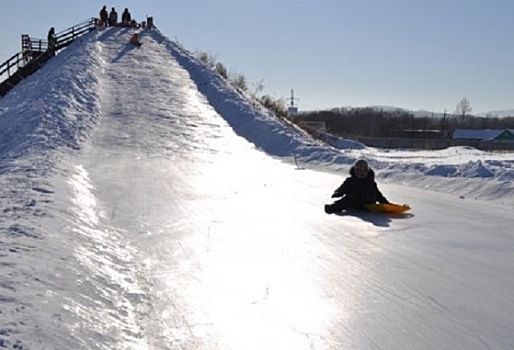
pixel 134 40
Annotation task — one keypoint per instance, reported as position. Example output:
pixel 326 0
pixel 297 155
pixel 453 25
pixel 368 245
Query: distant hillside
pixel 499 113
pixel 422 113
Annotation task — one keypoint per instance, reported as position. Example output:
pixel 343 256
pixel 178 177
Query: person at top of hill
pixel 104 16
pixel 357 190
pixel 126 18
pixel 113 17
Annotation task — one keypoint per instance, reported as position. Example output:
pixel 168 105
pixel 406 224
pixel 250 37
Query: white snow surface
pixel 148 204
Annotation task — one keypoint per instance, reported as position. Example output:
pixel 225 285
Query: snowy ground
pixel 148 205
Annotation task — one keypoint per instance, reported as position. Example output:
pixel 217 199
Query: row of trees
pixel 370 122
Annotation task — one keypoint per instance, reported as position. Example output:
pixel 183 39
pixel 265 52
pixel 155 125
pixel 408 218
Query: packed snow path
pixel 230 248
pixel 182 235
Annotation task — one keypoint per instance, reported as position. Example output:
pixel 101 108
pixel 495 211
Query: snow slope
pixel 148 205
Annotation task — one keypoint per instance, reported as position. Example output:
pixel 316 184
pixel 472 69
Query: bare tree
pixel 463 108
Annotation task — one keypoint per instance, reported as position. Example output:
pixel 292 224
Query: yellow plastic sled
pixel 388 208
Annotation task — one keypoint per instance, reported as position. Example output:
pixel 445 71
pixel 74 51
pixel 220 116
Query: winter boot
pixel 329 209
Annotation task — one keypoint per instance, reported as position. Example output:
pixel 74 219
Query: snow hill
pixel 132 178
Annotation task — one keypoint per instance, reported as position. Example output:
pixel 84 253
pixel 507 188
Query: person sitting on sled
pixel 357 190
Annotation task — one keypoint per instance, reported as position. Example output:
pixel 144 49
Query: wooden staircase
pixel 35 53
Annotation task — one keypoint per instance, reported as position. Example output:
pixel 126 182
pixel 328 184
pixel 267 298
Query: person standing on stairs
pixel 52 41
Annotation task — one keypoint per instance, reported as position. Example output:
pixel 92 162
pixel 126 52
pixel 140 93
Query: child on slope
pixel 357 190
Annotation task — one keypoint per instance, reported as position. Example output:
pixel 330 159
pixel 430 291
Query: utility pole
pixel 292 108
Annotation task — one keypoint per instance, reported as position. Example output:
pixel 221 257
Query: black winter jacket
pixel 358 192
pixel 125 17
pixel 104 15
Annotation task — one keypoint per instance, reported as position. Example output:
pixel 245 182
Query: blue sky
pixel 408 53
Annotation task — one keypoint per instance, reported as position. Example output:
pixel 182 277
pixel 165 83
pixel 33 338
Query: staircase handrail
pixel 10 63
pixel 29 44
pixel 67 36
pixel 32 48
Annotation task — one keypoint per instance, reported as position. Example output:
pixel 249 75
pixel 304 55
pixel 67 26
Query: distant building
pixel 292 110
pixel 491 135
